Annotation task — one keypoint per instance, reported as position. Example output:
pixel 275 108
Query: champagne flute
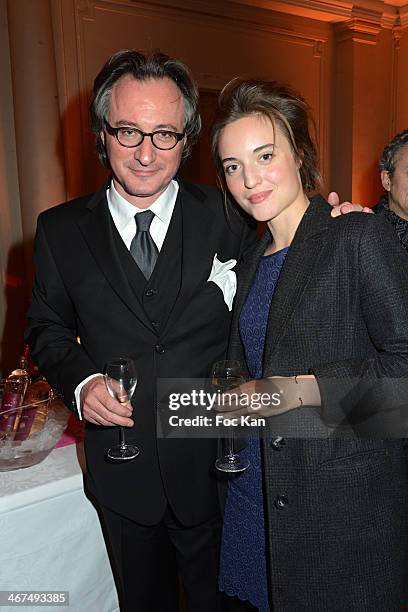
pixel 121 381
pixel 226 375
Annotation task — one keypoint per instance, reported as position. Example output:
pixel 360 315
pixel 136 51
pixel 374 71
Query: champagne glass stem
pixel 122 437
pixel 229 443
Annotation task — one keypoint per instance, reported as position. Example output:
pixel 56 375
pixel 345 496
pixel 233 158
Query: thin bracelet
pixel 299 398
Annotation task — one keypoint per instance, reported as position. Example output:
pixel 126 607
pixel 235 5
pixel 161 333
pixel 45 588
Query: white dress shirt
pixel 123 215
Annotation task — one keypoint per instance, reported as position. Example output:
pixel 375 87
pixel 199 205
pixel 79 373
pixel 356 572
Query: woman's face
pixel 259 166
pixel 397 184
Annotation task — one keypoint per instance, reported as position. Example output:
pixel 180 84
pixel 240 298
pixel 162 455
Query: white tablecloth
pixel 50 537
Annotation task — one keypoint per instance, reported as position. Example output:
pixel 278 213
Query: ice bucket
pixel 27 451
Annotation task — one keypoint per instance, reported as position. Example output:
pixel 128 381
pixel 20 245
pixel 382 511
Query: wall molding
pixel 403 17
pixel 358 30
pixel 331 10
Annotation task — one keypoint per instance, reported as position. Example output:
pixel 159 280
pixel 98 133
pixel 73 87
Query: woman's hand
pixel 270 396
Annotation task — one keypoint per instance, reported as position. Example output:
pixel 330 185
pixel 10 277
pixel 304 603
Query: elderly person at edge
pixel 393 204
pixel 394 178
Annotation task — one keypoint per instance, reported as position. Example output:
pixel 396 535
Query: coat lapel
pixel 245 271
pixel 296 273
pixel 96 228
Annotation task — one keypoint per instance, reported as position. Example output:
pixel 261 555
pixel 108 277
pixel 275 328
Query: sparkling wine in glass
pixel 121 381
pixel 226 375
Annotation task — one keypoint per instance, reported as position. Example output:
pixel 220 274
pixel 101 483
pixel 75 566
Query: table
pixel 50 535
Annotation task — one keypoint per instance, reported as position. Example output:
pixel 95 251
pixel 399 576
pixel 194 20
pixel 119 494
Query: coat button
pixel 278 443
pixel 150 292
pixel 159 348
pixel 281 501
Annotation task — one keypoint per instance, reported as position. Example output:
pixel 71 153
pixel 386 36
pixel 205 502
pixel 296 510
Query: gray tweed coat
pixel 336 505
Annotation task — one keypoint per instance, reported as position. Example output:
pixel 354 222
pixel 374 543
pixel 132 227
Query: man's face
pixel 142 173
pixel 397 184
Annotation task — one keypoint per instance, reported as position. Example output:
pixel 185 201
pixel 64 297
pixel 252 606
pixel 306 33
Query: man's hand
pixel 344 208
pixel 99 408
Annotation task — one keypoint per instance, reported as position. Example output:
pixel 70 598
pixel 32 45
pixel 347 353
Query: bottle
pixel 15 387
pixel 36 402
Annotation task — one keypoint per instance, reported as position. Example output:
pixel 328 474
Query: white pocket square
pixel 223 276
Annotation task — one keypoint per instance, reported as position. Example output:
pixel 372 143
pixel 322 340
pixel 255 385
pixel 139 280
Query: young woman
pixel 319 520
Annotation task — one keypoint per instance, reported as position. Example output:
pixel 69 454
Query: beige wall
pixel 263 44
pixel 13 272
pixel 351 69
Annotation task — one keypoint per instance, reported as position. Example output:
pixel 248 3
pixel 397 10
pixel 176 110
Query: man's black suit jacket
pixel 175 325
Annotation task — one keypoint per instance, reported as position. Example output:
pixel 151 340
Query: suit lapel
pixel 196 223
pixel 96 228
pixel 296 273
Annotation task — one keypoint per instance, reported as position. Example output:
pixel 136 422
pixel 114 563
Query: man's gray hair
pixel 389 157
pixel 142 68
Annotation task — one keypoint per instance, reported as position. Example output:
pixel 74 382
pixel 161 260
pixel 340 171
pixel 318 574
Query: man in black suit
pixel 140 288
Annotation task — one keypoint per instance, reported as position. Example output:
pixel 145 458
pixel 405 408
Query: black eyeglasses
pixel 129 136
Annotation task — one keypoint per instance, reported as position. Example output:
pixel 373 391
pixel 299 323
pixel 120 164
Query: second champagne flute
pixel 226 375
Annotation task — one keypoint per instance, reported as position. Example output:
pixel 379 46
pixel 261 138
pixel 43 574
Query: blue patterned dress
pixel 243 558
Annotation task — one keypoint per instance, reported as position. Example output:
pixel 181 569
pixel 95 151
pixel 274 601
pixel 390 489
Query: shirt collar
pixel 123 211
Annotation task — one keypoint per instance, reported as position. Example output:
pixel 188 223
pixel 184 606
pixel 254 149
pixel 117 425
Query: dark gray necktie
pixel 142 248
